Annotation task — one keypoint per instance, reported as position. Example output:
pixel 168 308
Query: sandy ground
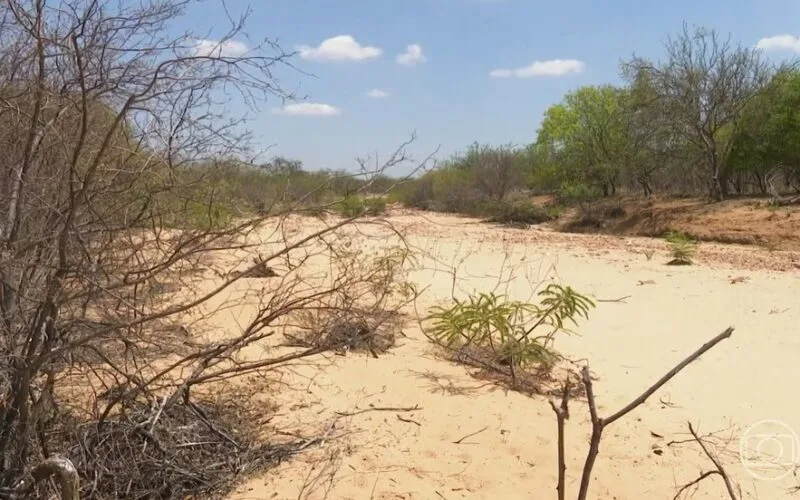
pixel 669 312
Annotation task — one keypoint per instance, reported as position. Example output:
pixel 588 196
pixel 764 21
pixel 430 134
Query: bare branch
pixel 562 414
pixel 599 424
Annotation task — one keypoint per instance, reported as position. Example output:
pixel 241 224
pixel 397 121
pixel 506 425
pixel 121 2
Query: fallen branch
pixel 778 201
pixel 408 420
pixel 621 299
pixel 469 435
pixel 378 408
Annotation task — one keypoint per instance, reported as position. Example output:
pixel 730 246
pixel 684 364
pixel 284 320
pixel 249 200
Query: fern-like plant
pixel 513 333
pixel 682 248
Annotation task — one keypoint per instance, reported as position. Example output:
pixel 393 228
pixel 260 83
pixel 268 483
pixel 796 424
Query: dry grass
pixel 357 330
pixel 545 381
pixel 190 450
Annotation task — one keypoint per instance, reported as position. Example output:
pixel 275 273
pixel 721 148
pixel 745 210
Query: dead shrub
pixel 259 269
pixel 542 380
pixel 198 449
pixel 353 331
pixel 613 211
pixel 364 315
pixel 584 222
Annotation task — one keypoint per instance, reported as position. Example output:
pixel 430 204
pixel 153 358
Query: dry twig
pixel 719 470
pixel 562 414
pixel 461 440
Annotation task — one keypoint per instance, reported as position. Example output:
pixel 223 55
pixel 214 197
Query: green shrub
pixel 354 206
pixel 571 193
pixel 682 248
pixel 516 334
pixel 448 189
pixel 415 193
pixel 516 212
pixel 453 190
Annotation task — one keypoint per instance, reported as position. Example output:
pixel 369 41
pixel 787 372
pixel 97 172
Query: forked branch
pixel 599 424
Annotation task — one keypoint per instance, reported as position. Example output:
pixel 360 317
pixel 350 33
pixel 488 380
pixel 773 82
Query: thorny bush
pixel 114 150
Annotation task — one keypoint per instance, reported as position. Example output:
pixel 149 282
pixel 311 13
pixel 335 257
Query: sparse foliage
pixel 702 89
pixel 518 212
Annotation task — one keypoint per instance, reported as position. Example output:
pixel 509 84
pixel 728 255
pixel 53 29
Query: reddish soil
pixel 743 221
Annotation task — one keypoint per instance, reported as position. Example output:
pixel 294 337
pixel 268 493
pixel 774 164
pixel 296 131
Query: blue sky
pixel 543 49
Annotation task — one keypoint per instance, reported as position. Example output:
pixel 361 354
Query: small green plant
pixel 353 206
pixel 514 334
pixel 682 248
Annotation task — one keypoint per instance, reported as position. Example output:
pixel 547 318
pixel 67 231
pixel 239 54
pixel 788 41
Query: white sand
pixel 629 345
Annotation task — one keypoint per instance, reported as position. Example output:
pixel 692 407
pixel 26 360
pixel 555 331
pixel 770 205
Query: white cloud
pixel 554 67
pixel 412 56
pixel 377 94
pixel 780 42
pixel 215 48
pixel 501 73
pixel 307 109
pixel 339 48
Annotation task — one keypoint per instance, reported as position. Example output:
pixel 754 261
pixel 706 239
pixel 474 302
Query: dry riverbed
pixel 420 450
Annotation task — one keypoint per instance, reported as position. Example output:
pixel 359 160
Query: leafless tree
pixel 701 90
pixel 108 222
pixel 497 170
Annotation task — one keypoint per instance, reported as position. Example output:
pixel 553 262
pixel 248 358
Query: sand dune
pixel 669 312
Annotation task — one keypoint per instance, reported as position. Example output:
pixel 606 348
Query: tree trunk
pixel 761 182
pixel 717 185
pixel 738 184
pixel 724 181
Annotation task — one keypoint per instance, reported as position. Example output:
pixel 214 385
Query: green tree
pixel 768 142
pixel 586 135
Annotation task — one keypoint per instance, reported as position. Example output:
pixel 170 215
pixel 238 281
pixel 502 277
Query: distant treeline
pixel 711 118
